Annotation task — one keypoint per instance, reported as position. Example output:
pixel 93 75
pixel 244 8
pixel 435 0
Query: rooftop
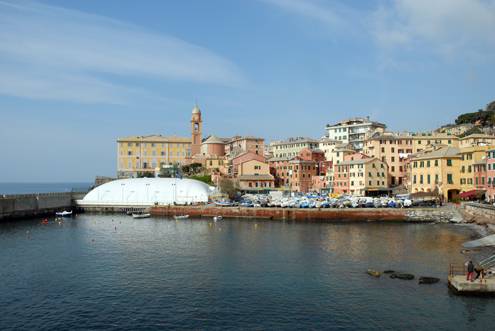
pixel 437 153
pixel 292 140
pixel 154 138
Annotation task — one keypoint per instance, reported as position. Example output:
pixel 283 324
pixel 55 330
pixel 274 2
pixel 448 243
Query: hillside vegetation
pixel 481 118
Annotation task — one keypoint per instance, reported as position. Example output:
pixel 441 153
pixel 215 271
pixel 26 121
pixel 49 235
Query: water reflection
pixel 118 272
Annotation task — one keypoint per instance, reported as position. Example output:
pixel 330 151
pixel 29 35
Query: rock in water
pixel 373 273
pixel 402 276
pixel 428 280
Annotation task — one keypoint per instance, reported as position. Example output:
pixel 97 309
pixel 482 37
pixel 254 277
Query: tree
pixel 227 186
pixel 145 174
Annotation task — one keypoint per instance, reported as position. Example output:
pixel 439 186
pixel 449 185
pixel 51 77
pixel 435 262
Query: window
pixel 428 180
pixel 129 153
pixel 449 163
pixel 414 179
pixel 449 178
pixel 428 163
pixel 436 179
pixel 436 163
pixel 421 179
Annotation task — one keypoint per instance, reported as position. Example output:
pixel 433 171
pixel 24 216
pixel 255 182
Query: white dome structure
pixel 147 192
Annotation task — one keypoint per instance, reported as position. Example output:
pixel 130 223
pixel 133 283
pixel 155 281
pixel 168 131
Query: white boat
pixel 181 217
pixel 64 213
pixel 217 218
pixel 143 215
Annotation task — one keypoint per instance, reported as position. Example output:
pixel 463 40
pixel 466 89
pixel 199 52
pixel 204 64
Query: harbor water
pixel 116 272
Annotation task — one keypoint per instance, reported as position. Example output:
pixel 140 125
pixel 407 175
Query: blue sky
pixel 75 75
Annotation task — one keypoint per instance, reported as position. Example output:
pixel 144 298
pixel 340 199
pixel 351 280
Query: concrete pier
pixel 460 285
pixel 29 205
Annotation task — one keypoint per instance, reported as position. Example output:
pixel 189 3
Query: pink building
pixel 490 174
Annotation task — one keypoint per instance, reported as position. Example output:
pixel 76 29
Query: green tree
pixel 227 186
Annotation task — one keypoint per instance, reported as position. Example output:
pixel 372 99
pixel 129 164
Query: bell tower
pixel 196 128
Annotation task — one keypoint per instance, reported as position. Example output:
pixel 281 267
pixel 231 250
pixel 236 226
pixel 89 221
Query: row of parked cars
pixel 317 201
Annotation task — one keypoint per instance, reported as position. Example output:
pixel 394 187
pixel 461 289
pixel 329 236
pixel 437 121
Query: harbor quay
pixel 319 215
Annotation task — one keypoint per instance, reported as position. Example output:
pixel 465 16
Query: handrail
pixel 457 269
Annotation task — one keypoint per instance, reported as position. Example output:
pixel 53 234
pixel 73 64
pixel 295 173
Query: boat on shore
pixel 64 213
pixel 223 203
pixel 181 217
pixel 143 215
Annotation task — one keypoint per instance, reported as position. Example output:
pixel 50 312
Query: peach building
pixel 238 145
pixel 394 150
pixel 213 145
pixel 253 174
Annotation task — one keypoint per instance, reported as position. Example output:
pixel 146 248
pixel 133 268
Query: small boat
pixel 181 217
pixel 223 203
pixel 44 221
pixel 64 213
pixel 373 273
pixel 143 215
pixel 217 218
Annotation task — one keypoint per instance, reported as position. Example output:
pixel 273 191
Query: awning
pixel 472 194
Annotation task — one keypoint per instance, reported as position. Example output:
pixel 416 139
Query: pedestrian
pixel 479 272
pixel 470 271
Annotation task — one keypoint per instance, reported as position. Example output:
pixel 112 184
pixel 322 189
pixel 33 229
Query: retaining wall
pixel 358 214
pixel 28 205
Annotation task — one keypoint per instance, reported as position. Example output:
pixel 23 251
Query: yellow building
pixel 421 141
pixel 477 140
pixel 469 157
pixel 137 155
pixel 140 154
pixel 436 169
pixel 368 176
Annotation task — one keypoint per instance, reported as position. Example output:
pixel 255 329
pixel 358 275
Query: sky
pixel 75 75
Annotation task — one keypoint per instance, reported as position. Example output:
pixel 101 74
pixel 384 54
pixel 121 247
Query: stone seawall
pixel 358 214
pixel 481 214
pixel 28 205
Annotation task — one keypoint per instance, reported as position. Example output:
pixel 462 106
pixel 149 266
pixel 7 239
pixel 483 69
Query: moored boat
pixel 143 215
pixel 217 218
pixel 64 213
pixel 181 217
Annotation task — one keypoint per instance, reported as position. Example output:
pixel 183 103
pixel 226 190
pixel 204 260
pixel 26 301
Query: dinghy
pixel 143 215
pixel 181 217
pixel 64 213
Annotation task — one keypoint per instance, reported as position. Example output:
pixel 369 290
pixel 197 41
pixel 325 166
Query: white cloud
pixel 451 28
pixel 55 53
pixel 311 9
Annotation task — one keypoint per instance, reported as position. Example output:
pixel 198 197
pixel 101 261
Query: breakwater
pixel 302 214
pixel 29 205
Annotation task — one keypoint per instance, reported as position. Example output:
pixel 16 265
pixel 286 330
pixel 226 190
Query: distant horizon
pixel 77 75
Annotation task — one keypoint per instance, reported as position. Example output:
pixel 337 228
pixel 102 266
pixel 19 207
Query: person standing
pixel 470 271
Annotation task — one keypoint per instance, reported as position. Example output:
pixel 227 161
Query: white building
pixel 292 146
pixel 147 192
pixel 354 131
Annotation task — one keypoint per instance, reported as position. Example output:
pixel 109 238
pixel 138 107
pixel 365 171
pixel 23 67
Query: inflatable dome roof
pixel 148 191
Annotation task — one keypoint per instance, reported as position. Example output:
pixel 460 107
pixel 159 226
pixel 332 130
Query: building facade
pixel 292 146
pixel 354 131
pixel 436 170
pixel 144 154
